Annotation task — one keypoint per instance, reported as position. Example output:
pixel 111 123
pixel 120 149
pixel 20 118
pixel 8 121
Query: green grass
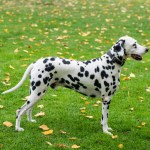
pixel 36 29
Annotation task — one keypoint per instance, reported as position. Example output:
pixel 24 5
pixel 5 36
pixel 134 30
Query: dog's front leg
pixel 104 120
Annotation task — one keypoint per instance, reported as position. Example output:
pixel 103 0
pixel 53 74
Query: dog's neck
pixel 114 59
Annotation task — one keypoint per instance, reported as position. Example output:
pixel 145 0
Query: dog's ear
pixel 121 42
pixel 119 45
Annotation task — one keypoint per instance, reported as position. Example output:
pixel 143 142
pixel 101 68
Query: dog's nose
pixel 146 50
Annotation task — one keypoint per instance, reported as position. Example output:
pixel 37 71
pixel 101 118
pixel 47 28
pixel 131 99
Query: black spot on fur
pixel 104 75
pixel 33 88
pixel 82 69
pixel 45 80
pixel 39 94
pixel 62 81
pixel 92 76
pixel 106 83
pixel 28 102
pixel 40 76
pixel 80 74
pixel 92 95
pixel 32 83
pixel 76 79
pixel 86 73
pixel 87 62
pixel 38 83
pixel 109 93
pixel 71 78
pixel 107 89
pixel 67 82
pixel 45 60
pixel 50 68
pixel 56 79
pixel 97 84
pixel 76 86
pixel 52 59
pixel 97 69
pixel 117 48
pixel 66 61
pixel 82 85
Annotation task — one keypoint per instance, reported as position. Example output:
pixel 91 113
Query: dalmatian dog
pixel 98 77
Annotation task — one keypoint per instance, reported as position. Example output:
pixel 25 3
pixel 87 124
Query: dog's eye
pixel 134 45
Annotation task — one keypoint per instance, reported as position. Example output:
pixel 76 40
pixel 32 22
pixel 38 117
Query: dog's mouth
pixel 136 57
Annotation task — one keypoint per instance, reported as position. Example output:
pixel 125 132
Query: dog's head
pixel 131 48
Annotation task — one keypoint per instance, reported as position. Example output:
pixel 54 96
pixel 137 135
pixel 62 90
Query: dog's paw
pixel 107 132
pixel 19 129
pixel 110 129
pixel 33 121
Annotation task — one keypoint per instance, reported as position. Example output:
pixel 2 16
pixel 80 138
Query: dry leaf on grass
pixel 7 79
pixel 25 98
pixel 61 146
pixel 89 117
pixel 148 89
pixel 72 138
pixel 120 146
pixel 49 132
pixel 143 123
pixel 7 124
pixel 44 127
pixel 40 114
pixel 132 75
pixel 1 106
pixel 11 67
pixel 63 132
pixel 49 143
pixel 40 106
pixel 75 146
pixel 114 136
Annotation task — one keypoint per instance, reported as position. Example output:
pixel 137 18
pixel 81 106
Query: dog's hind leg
pixel 29 115
pixel 26 107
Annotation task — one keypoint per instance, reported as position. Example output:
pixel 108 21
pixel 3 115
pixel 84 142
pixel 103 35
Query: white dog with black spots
pixel 99 77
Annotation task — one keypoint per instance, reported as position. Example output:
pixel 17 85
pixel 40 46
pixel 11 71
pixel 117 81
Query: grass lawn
pixel 76 29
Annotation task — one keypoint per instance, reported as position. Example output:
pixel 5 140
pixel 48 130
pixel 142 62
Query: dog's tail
pixel 30 67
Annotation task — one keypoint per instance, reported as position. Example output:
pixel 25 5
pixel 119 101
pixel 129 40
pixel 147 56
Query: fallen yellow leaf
pixel 132 109
pixel 90 117
pixel 143 123
pixel 83 111
pixel 40 114
pixel 114 136
pixel 62 146
pixel 148 89
pixel 7 124
pixel 132 75
pixel 62 132
pixel 87 103
pixel 49 132
pixel 44 127
pixel 1 106
pixel 7 79
pixel 72 138
pixel 49 143
pixel 75 146
pixel 83 98
pixel 40 106
pixel 120 146
pixel 11 67
pixel 25 98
